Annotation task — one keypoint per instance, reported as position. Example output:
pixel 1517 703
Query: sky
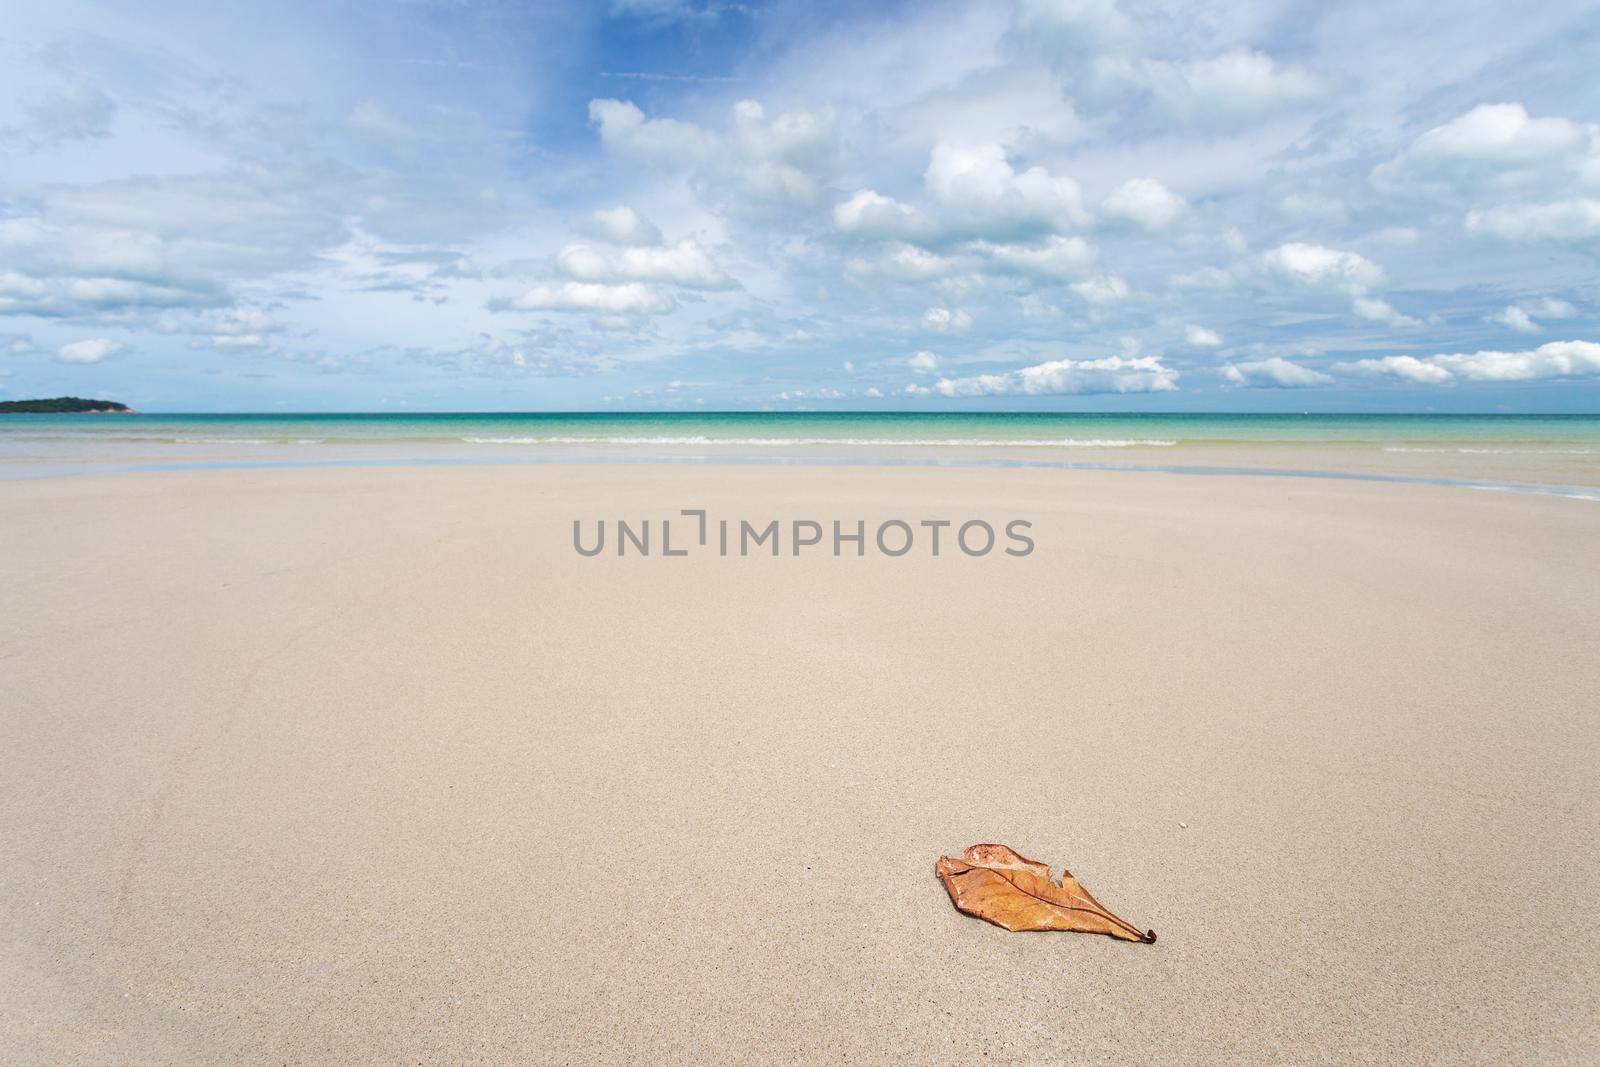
pixel 447 205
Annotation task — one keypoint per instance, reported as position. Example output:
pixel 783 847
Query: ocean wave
pixel 235 440
pixel 787 442
pixel 219 440
pixel 1501 451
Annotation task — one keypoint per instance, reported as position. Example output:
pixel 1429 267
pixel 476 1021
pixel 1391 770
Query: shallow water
pixel 1525 453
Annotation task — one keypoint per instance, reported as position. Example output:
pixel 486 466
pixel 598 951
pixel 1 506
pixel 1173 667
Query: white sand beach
pixel 369 765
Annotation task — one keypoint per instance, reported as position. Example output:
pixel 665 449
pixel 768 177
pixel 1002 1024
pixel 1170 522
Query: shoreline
pixel 1577 491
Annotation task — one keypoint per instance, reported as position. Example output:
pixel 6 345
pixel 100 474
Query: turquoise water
pixel 179 435
pixel 1525 453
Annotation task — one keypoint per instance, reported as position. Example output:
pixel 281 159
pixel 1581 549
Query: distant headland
pixel 64 405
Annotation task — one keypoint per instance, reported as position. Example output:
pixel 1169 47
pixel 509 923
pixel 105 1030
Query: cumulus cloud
pixel 1145 203
pixel 1200 337
pixel 1314 265
pixel 683 264
pixel 631 298
pixel 1573 221
pixel 981 195
pixel 974 194
pixel 619 225
pixel 1496 148
pixel 946 320
pixel 1553 361
pixel 1406 368
pixel 926 362
pixel 1335 270
pixel 92 351
pixel 1112 374
pixel 911 264
pixel 1053 259
pixel 1274 373
pixel 1558 359
pixel 1378 310
pixel 1516 318
pixel 624 129
pixel 868 213
pixel 757 159
pixel 1106 289
pixel 1520 317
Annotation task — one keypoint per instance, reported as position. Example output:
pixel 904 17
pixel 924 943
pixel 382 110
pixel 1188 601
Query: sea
pixel 46 445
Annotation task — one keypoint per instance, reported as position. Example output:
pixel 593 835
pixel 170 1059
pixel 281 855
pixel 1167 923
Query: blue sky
pixel 1048 205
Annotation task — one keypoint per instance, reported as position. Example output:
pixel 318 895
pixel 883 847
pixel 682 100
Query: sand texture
pixel 368 765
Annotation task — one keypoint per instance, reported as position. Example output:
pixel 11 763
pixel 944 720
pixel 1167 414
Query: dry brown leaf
pixel 998 885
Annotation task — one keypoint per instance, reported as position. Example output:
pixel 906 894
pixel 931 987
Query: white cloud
pixel 624 129
pixel 631 298
pixel 1213 278
pixel 1106 289
pixel 1498 147
pixel 1314 265
pixel 1200 337
pixel 1516 318
pixel 92 351
pixel 1377 310
pixel 974 194
pixel 980 194
pixel 1113 374
pixel 1552 308
pixel 1145 203
pixel 911 264
pixel 1552 361
pixel 1274 373
pixel 759 159
pixel 869 214
pixel 1057 257
pixel 1558 359
pixel 800 138
pixel 1565 221
pixel 619 225
pixel 683 264
pixel 1231 88
pixel 1051 260
pixel 946 320
pixel 925 362
pixel 1311 205
pixel 22 294
pixel 1406 368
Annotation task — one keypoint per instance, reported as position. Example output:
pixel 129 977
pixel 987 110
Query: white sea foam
pixel 220 441
pixel 785 442
pixel 237 440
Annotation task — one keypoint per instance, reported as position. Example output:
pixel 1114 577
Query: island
pixel 61 405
